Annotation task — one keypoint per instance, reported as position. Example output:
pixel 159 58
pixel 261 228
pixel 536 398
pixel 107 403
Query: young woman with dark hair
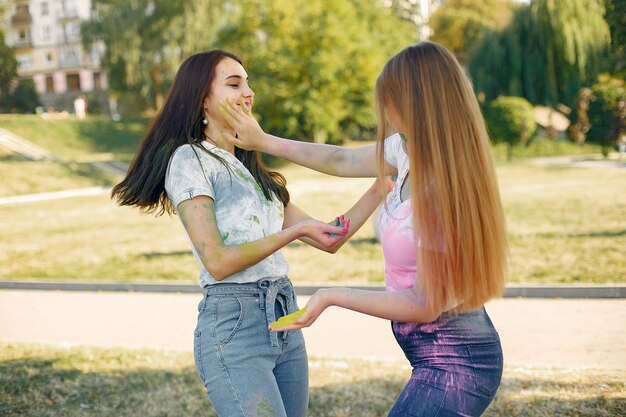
pixel 237 216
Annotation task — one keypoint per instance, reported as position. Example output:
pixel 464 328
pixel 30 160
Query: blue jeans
pixel 457 365
pixel 246 369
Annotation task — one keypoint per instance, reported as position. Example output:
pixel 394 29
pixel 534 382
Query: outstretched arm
pixel 406 305
pixel 329 159
pixel 221 261
pixel 353 218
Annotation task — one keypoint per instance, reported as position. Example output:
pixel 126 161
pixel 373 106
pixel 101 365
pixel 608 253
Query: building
pixel 46 38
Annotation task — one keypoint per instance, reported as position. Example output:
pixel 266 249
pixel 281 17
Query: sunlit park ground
pixel 43 381
pixel 566 224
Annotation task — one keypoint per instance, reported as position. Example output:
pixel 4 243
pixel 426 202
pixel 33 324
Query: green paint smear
pixel 264 410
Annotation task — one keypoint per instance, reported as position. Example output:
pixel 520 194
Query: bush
pixel 24 98
pixel 607 112
pixel 510 120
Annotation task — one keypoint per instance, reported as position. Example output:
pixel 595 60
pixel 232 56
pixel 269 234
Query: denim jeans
pixel 246 369
pixel 457 365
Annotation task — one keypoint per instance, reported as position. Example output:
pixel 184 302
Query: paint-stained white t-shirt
pixel 242 212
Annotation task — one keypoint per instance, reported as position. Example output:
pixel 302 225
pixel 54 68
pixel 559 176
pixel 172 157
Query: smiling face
pixel 230 82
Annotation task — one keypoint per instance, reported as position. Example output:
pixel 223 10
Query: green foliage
pixel 8 68
pixel 548 52
pixel 23 99
pixel 607 112
pixel 313 63
pixel 616 18
pixel 510 120
pixel 460 24
pixel 458 30
pixel 142 39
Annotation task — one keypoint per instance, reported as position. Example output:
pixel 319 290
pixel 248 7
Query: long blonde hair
pixel 457 212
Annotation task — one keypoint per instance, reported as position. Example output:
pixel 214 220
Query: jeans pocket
pixel 228 318
pixel 487 366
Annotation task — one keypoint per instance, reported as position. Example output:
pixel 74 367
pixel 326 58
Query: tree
pixel 549 51
pixel 460 24
pixel 607 112
pixel 510 120
pixel 616 18
pixel 313 63
pixel 8 69
pixel 24 98
pixel 143 41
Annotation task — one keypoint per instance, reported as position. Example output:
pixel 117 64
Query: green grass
pixel 28 177
pixel 565 226
pixel 43 381
pixel 93 138
pixel 97 137
pixel 543 147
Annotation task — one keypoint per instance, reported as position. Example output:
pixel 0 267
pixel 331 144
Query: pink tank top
pixel 398 240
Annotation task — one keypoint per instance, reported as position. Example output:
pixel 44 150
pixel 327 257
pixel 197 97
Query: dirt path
pixel 535 332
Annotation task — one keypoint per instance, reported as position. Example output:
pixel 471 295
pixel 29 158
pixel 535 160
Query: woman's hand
pixel 318 302
pixel 249 134
pixel 322 233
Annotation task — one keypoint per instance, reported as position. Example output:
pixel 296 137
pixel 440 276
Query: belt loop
pixel 261 299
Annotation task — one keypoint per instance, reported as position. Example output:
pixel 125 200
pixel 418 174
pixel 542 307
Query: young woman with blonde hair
pixel 442 228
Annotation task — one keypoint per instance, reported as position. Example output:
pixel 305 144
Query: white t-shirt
pixel 242 212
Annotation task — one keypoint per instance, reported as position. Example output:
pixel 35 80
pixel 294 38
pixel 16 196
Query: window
pixel 45 32
pixel 73 82
pixel 72 29
pixel 25 61
pixel 48 57
pixel 44 8
pixel 22 35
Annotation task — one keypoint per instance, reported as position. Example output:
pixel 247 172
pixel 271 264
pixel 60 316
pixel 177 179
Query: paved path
pixel 24 148
pixel 534 332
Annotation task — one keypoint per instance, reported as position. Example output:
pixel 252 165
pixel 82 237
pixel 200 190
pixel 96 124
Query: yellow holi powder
pixel 287 320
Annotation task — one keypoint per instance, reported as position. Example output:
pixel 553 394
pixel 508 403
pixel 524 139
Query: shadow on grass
pixel 157 255
pixel 54 387
pixel 600 234
pixel 103 135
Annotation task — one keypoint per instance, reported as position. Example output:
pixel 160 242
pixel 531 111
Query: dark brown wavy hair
pixel 179 122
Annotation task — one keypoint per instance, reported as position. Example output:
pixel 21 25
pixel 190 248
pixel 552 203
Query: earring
pixel 205 121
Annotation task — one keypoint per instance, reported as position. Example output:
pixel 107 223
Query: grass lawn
pixel 43 381
pixel 99 138
pixel 29 177
pixel 93 138
pixel 565 226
